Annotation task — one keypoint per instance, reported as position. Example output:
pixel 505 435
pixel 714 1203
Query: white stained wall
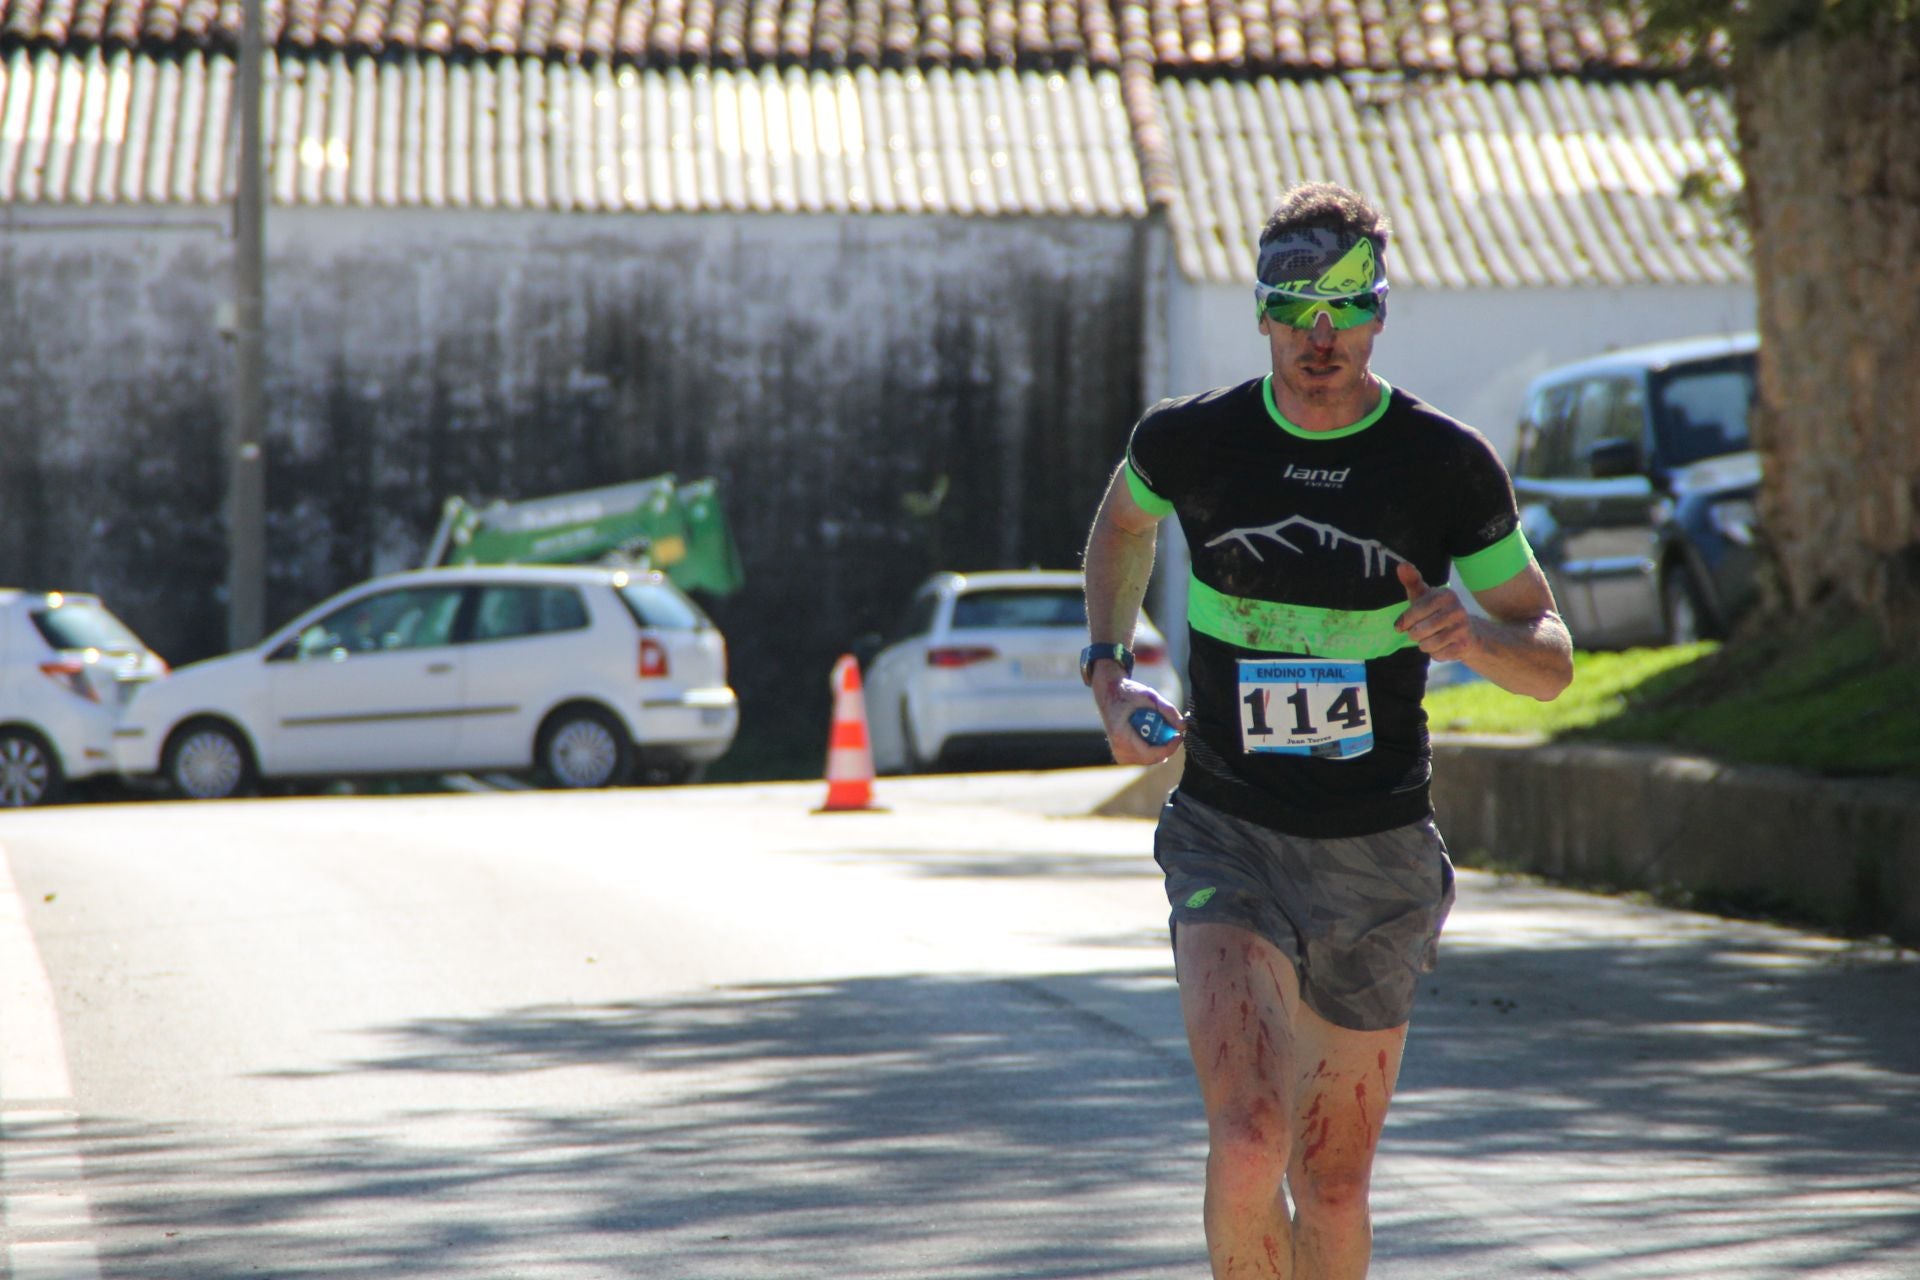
pixel 1468 353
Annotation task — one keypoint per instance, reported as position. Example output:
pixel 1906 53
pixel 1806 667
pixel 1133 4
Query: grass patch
pixel 1825 701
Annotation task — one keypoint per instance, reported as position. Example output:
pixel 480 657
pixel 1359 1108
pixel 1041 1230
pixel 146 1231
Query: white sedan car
pixel 987 665
pixel 579 675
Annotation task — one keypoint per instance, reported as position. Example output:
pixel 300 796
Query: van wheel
pixel 29 772
pixel 1683 608
pixel 582 748
pixel 208 760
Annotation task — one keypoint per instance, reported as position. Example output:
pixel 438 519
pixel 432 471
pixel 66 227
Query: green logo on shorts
pixel 1199 899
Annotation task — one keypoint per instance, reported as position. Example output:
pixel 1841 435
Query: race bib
pixel 1305 707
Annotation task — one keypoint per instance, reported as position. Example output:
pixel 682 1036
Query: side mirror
pixel 1611 459
pixel 287 651
pixel 867 648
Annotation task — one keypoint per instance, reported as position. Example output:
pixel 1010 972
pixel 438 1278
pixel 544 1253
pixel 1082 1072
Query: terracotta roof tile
pixel 1499 38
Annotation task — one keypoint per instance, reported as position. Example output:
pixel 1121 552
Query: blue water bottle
pixel 1152 727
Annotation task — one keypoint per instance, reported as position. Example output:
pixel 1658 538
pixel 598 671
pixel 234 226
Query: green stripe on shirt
pixel 1497 564
pixel 1149 501
pixel 1291 628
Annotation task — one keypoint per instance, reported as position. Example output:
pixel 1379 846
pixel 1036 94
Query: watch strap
pixel 1095 652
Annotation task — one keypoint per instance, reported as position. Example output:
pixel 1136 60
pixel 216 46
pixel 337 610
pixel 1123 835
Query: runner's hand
pixel 1119 697
pixel 1435 618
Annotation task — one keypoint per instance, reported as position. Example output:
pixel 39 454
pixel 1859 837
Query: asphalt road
pixel 706 1033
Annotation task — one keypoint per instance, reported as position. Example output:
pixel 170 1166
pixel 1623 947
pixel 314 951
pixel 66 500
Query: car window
pixel 84 624
pixel 1701 409
pixel 407 618
pixel 662 606
pixel 1604 409
pixel 1062 608
pixel 1546 436
pixel 506 611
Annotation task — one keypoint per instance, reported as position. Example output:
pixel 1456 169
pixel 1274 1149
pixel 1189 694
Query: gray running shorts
pixel 1359 917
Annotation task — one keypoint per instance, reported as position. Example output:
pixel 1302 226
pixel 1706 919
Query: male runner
pixel 1324 511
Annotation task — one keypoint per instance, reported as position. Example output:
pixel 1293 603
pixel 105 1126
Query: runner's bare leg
pixel 1281 1088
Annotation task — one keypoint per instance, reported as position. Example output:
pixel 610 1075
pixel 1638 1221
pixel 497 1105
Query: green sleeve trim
pixel 1497 564
pixel 1149 501
pixel 1351 429
pixel 1291 628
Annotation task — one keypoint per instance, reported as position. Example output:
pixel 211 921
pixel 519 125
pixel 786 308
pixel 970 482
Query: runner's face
pixel 1321 364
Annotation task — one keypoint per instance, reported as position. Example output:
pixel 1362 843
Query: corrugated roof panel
pixel 809 180
pixel 535 166
pixel 1490 184
pixel 461 152
pixel 1020 169
pixel 835 183
pixel 64 125
pixel 631 164
pixel 390 134
pixel 433 132
pixel 674 106
pixel 519 133
pixel 657 150
pixel 706 153
pixel 156 182
pixel 755 167
pixel 90 134
pixel 190 155
pixel 412 139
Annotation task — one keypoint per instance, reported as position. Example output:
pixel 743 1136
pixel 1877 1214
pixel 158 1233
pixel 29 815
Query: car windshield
pixel 1701 409
pixel 1050 608
pixel 81 624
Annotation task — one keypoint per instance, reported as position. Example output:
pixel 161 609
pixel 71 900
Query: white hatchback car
pixel 987 665
pixel 66 664
pixel 580 675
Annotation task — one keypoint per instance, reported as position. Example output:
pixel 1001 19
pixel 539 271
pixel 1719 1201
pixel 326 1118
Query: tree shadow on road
pixel 1706 1110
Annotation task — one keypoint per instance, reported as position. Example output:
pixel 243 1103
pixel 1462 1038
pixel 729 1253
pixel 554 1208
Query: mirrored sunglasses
pixel 1301 312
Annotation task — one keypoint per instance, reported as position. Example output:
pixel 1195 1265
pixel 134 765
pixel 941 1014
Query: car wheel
pixel 582 748
pixel 208 761
pixel 1683 608
pixel 29 773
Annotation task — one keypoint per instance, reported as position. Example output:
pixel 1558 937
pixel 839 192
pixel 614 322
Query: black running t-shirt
pixel 1305 703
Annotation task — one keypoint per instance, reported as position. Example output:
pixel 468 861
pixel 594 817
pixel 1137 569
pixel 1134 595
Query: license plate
pixel 1047 666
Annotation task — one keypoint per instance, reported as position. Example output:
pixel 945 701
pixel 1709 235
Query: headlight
pixel 1735 520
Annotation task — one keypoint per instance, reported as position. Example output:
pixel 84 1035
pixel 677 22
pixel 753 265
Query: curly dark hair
pixel 1327 206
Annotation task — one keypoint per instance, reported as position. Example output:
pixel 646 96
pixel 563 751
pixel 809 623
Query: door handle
pixel 439 668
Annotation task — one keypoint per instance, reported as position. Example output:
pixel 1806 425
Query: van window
pixel 1701 409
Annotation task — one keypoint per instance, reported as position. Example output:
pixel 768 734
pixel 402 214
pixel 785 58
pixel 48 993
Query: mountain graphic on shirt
pixel 1376 557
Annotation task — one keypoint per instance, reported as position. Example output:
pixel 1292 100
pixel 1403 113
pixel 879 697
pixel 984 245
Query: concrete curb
pixel 1840 853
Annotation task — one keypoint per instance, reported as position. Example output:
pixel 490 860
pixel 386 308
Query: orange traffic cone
pixel 849 758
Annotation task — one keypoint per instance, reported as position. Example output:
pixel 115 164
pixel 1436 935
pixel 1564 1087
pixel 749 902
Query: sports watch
pixel 1094 652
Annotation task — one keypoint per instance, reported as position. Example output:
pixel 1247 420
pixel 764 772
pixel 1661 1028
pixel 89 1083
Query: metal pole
pixel 247 465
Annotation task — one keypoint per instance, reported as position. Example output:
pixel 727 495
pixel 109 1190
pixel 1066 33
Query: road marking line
pixel 42 1191
pixel 33 1062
